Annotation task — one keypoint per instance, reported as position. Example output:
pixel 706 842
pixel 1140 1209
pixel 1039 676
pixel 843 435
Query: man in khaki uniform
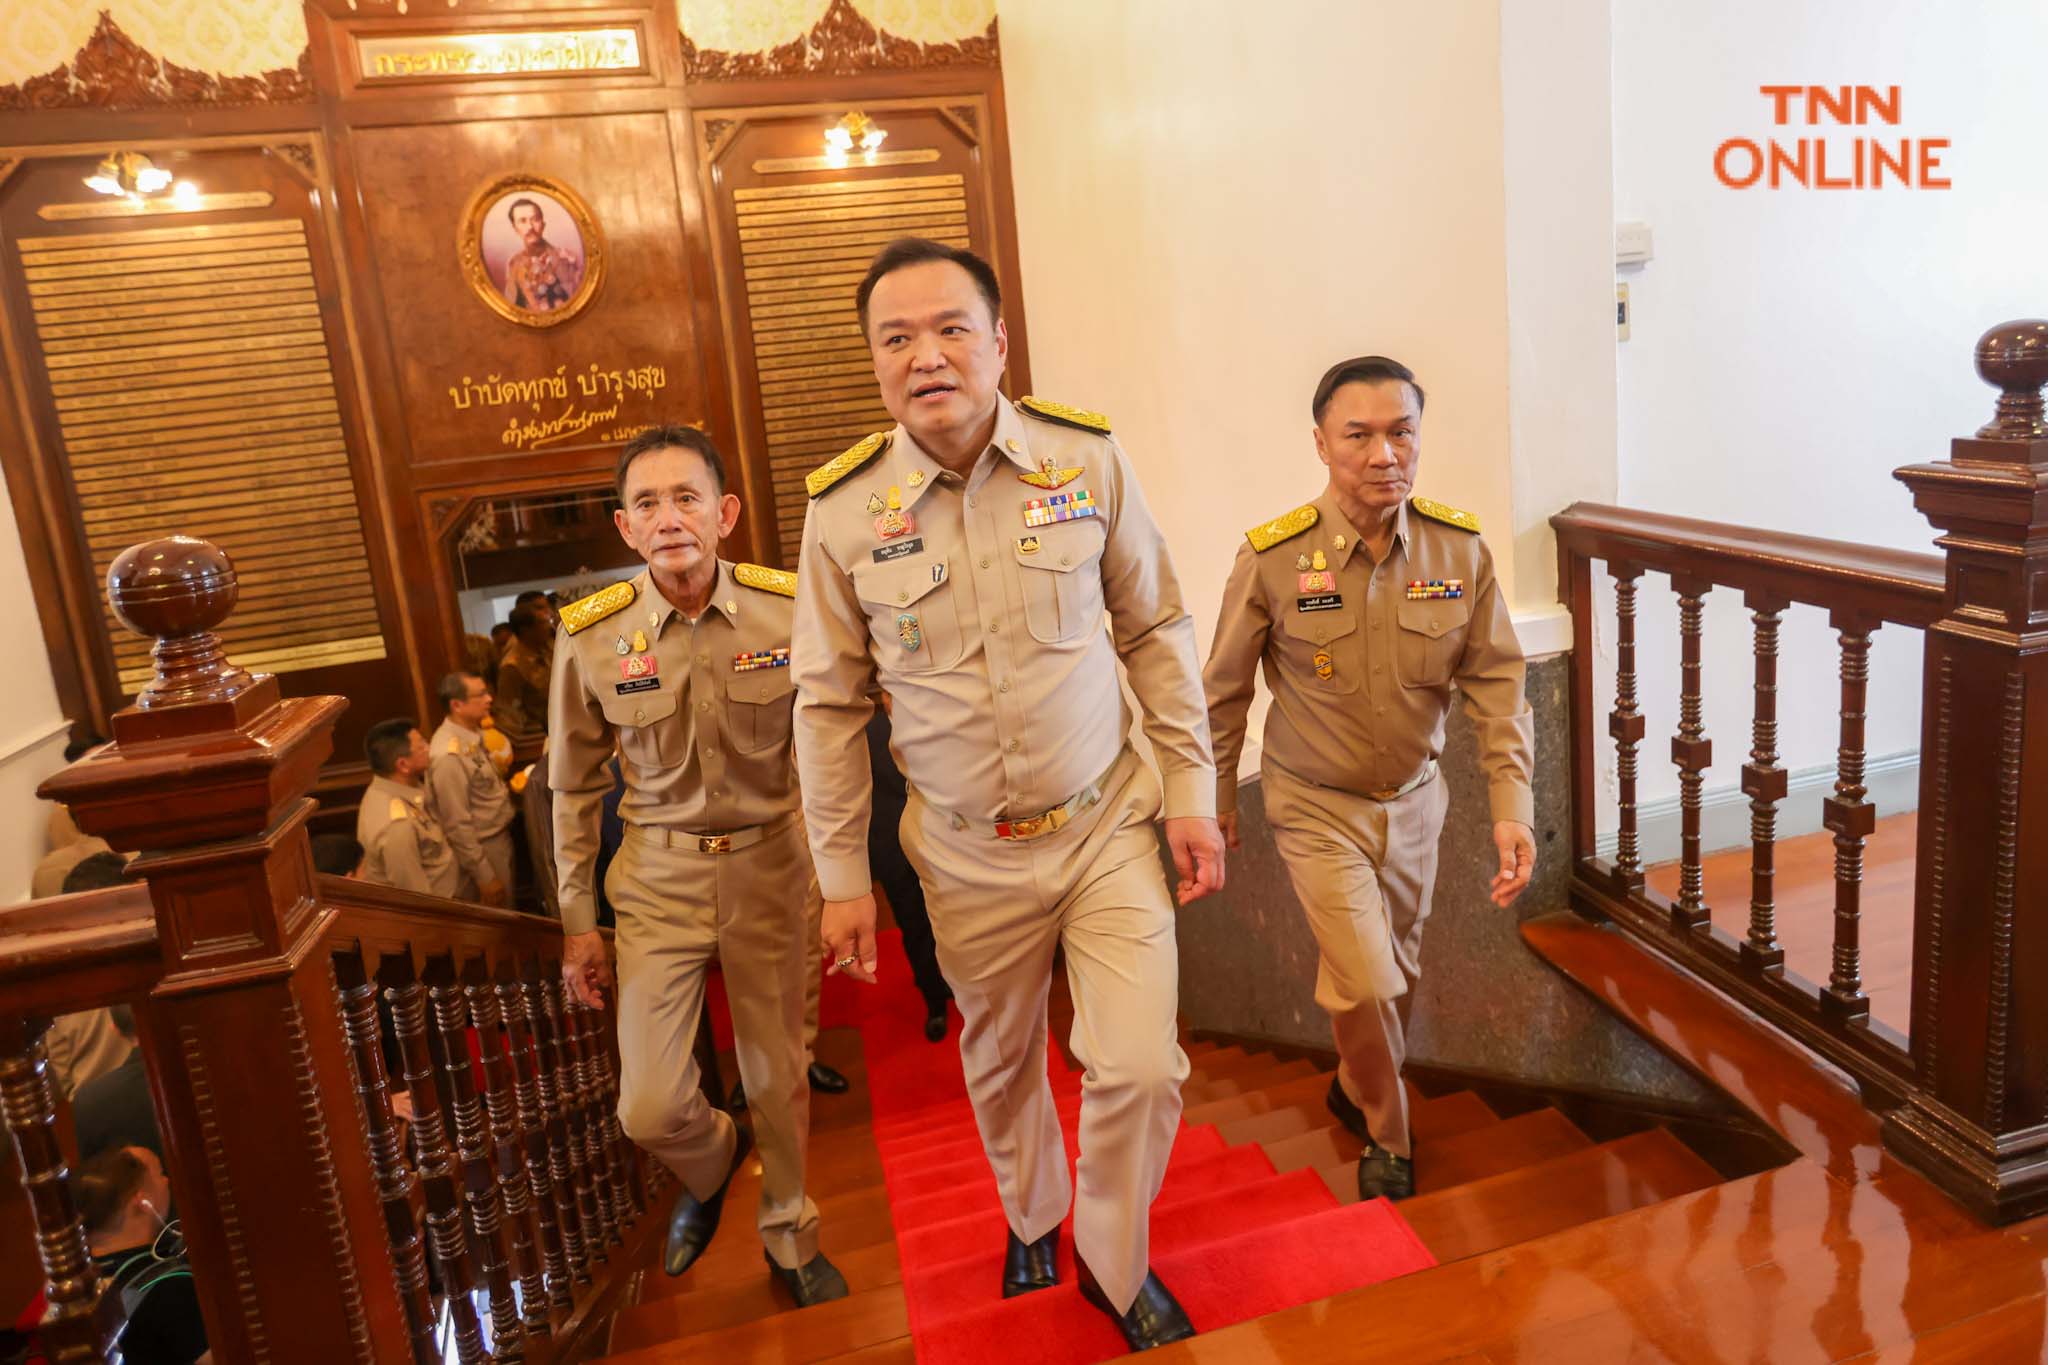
pixel 1364 607
pixel 403 844
pixel 684 669
pixel 966 560
pixel 466 793
pixel 524 672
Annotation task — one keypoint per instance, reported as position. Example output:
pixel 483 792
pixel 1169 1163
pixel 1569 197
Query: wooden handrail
pixel 78 952
pixel 1964 1101
pixel 1897 586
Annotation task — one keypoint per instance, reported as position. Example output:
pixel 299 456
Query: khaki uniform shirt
pixel 988 634
pixel 1361 675
pixel 404 845
pixel 702 734
pixel 520 693
pixel 467 796
pixel 69 846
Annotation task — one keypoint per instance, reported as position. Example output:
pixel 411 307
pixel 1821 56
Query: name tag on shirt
pixel 1322 601
pixel 899 550
pixel 638 685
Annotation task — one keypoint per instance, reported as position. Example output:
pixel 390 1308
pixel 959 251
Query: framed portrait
pixel 531 250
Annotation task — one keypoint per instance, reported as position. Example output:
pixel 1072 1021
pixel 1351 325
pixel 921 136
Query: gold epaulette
pixel 766 579
pixel 400 809
pixel 454 745
pixel 1064 415
pixel 1449 516
pixel 839 466
pixel 585 612
pixel 1286 526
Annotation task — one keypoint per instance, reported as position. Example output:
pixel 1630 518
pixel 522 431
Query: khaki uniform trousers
pixel 998 908
pixel 1364 871
pixel 498 853
pixel 676 909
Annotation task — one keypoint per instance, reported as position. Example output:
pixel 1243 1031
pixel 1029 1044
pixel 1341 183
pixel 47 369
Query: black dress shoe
pixel 1382 1175
pixel 815 1281
pixel 691 1226
pixel 1031 1265
pixel 1154 1318
pixel 736 1102
pixel 1348 1114
pixel 935 1026
pixel 826 1079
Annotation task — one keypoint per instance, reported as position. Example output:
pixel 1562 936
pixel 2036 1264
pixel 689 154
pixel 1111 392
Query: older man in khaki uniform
pixel 465 791
pixel 685 670
pixel 1365 607
pixel 966 559
pixel 525 672
pixel 403 843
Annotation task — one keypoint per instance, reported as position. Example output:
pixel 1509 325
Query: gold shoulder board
pixel 1449 516
pixel 585 612
pixel 766 579
pixel 839 466
pixel 399 809
pixel 454 745
pixel 1286 526
pixel 1064 415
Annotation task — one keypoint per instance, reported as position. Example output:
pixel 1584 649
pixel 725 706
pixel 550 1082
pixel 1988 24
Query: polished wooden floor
pixel 1805 895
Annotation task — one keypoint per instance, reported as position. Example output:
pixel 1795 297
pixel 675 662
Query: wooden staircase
pixel 1484 1182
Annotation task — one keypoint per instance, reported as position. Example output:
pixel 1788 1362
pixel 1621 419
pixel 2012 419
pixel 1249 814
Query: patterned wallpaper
pixel 250 37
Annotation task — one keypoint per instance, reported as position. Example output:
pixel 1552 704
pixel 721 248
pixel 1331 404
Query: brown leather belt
pixel 730 842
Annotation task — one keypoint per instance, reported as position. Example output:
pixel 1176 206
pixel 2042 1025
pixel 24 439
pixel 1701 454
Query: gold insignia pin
pixel 1027 545
pixel 639 642
pixel 916 477
pixel 1325 666
pixel 1301 563
pixel 895 498
pixel 874 504
pixel 1340 542
pixel 1049 475
pixel 731 606
pixel 1318 561
pixel 1012 444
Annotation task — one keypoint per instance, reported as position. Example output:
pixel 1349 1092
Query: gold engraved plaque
pixel 216 417
pixel 471 56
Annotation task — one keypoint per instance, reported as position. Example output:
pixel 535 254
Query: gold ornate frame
pixel 469 248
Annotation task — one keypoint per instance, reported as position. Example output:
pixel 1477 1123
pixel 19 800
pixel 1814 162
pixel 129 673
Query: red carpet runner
pixel 1231 1238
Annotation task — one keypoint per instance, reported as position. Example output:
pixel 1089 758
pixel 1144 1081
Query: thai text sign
pixel 531 52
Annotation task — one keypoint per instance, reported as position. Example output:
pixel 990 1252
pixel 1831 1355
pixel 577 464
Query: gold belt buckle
pixel 714 843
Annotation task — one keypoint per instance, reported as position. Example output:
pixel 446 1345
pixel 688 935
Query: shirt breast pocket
pixel 912 614
pixel 1325 652
pixel 647 727
pixel 757 709
pixel 1062 580
pixel 1431 640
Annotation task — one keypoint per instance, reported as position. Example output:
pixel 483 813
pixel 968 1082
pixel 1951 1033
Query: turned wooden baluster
pixel 1764 782
pixel 589 1208
pixel 1625 724
pixel 446 1236
pixel 70 1334
pixel 1852 818
pixel 395 1179
pixel 1692 751
pixel 591 1101
pixel 514 1195
pixel 555 1111
pixel 533 1140
pixel 605 1114
pixel 473 1152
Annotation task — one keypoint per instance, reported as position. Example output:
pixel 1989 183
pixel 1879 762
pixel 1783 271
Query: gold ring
pixel 845 962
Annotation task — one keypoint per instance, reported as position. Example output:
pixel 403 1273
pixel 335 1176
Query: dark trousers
pixel 893 870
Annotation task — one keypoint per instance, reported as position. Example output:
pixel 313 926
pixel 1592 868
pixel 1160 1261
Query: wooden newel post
pixel 1977 1119
pixel 206 780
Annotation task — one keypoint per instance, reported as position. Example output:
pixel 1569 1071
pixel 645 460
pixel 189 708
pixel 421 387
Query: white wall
pixel 33 731
pixel 1790 348
pixel 1216 201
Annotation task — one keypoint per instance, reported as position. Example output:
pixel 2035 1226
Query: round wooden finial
pixel 176 590
pixel 2013 357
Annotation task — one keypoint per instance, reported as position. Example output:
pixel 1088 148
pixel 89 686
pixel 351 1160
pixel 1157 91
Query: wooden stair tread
pixel 868 1318
pixel 1302 1107
pixel 710 1307
pixel 1298 1090
pixel 1511 1144
pixel 1234 1061
pixel 1549 1196
pixel 1201 1090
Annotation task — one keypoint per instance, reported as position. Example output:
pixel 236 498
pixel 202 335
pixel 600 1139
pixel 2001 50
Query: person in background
pixel 465 792
pixel 114 1110
pixel 521 687
pixel 86 1045
pixel 403 843
pixel 124 1199
pixel 69 846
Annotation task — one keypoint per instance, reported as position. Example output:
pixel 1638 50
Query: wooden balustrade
pixel 1966 1102
pixel 382 1121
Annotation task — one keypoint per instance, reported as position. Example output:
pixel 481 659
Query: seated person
pixel 122 1197
pixel 86 1045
